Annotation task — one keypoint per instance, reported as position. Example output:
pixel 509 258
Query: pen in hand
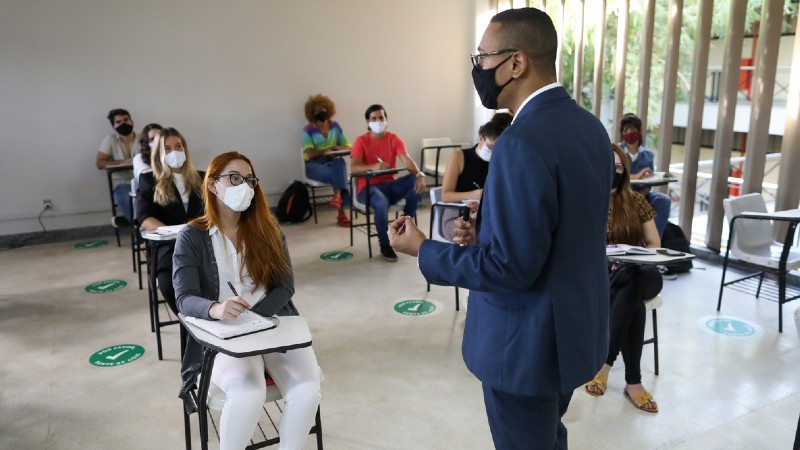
pixel 230 285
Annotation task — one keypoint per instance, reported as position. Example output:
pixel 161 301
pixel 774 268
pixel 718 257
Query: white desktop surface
pixel 292 333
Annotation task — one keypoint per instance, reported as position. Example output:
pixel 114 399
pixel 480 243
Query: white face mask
pixel 484 152
pixel 377 127
pixel 237 198
pixel 175 159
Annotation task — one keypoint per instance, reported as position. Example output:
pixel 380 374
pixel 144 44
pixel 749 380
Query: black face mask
pixel 321 116
pixel 618 179
pixel 483 79
pixel 124 129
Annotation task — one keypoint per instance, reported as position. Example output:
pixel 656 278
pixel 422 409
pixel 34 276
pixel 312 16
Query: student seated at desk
pixel 466 170
pixel 238 241
pixel 630 221
pixel 169 195
pixel 378 149
pixel 147 140
pixel 119 148
pixel 321 136
pixel 640 159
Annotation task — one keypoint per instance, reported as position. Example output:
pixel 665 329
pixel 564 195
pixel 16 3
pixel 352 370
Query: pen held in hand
pixel 230 285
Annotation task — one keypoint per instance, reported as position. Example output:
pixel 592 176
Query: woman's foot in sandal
pixel 596 387
pixel 336 202
pixel 641 398
pixel 599 384
pixel 343 221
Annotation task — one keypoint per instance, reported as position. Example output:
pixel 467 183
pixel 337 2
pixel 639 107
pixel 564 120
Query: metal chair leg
pixel 655 339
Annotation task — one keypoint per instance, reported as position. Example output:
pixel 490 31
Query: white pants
pixel 297 376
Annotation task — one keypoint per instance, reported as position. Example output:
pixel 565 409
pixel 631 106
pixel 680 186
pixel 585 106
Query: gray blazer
pixel 195 277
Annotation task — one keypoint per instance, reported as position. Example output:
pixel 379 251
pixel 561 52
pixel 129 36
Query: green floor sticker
pixel 102 287
pixel 336 256
pixel 116 355
pixel 729 326
pixel 91 244
pixel 414 307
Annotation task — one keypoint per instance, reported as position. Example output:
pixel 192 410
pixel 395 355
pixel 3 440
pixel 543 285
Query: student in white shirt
pixel 119 148
pixel 239 241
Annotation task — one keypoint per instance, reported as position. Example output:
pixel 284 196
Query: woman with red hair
pixel 238 241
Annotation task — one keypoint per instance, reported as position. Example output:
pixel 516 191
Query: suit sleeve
pixel 522 199
pixel 280 295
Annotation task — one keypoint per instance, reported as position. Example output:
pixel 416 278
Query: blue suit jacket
pixel 539 300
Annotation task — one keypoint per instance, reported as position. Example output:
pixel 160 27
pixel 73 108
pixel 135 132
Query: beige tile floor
pixel 392 382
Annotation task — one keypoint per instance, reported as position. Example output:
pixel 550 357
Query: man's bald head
pixel 530 31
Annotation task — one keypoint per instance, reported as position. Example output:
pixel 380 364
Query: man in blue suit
pixel 535 262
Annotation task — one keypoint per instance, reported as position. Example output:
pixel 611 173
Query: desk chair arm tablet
pixel 202 348
pixel 760 253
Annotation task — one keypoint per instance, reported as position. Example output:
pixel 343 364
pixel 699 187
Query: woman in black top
pixel 466 170
pixel 169 195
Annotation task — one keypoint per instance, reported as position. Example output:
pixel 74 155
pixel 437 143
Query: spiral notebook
pixel 623 249
pixel 248 322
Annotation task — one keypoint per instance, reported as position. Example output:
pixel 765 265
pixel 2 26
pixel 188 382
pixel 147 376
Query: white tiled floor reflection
pixel 391 381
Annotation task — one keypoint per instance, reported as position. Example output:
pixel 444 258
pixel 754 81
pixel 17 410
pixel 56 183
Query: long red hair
pixel 258 234
pixel 625 221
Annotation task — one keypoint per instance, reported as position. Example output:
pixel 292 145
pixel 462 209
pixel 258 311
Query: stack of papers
pixel 624 249
pixel 248 322
pixel 170 230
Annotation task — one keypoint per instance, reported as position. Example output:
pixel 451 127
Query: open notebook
pixel 624 249
pixel 248 322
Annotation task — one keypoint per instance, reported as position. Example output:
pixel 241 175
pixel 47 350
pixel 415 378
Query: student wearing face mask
pixel 641 159
pixel 321 136
pixel 466 170
pixel 378 149
pixel 119 148
pixel 147 140
pixel 169 195
pixel 630 221
pixel 238 241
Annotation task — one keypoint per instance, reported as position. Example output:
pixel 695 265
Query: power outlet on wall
pixel 47 204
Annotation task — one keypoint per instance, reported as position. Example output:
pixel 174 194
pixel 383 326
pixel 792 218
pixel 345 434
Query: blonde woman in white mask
pixel 466 170
pixel 169 195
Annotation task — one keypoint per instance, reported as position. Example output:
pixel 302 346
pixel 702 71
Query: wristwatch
pixel 420 174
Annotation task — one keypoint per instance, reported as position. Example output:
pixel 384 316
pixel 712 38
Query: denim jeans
pixel 662 204
pixel 385 194
pixel 122 198
pixel 330 170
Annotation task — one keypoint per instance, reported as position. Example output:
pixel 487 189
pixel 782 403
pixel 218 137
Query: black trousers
pixel 630 286
pixel 164 274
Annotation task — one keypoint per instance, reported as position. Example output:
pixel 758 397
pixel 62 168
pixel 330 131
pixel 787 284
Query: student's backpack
pixel 673 238
pixel 294 205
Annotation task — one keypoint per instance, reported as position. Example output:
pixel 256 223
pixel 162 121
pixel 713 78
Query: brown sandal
pixel 641 399
pixel 600 383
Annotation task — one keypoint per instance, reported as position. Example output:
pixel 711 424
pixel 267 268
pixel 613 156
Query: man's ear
pixel 520 65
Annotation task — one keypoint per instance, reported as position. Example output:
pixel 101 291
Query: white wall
pixel 228 75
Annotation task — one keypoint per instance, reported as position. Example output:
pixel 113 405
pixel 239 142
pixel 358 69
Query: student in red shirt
pixel 379 149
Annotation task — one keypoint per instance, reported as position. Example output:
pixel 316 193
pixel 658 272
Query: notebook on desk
pixel 624 249
pixel 248 322
pixel 169 230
